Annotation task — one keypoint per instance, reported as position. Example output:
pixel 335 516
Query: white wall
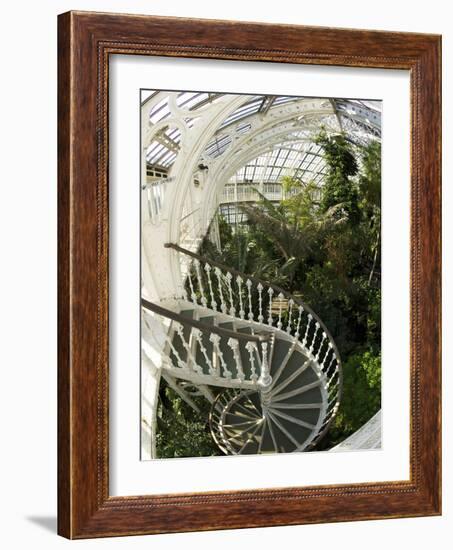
pixel 28 269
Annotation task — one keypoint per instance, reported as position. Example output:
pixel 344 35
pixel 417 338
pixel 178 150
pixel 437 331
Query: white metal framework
pixel 202 152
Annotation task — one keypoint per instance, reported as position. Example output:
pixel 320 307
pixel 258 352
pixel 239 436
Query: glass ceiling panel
pixel 300 161
pixel 294 153
pixel 248 109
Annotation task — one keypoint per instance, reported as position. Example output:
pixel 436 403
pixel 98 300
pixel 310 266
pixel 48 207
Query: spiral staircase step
pixel 296 372
pixel 189 313
pixel 207 319
pixel 280 351
pixel 288 438
pixel 229 325
pixel 267 444
pixel 283 417
pixel 245 330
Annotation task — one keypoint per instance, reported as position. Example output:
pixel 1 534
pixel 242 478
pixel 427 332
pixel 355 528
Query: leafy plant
pixel 361 395
pixel 322 242
pixel 182 431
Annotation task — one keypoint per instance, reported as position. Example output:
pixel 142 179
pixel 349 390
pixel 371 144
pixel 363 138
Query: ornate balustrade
pixel 215 286
pixel 197 350
pixel 249 192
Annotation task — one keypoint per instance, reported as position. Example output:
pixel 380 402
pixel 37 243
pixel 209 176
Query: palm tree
pixel 294 228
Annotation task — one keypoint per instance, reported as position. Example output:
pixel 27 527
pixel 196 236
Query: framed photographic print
pixel 249 275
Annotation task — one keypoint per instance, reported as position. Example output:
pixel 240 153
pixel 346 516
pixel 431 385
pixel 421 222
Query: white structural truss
pixel 207 326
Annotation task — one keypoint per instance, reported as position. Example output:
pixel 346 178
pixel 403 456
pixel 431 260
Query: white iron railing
pixel 189 336
pixel 251 192
pixel 220 288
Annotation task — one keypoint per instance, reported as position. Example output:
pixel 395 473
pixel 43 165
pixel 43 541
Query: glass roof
pixel 292 150
pixel 301 160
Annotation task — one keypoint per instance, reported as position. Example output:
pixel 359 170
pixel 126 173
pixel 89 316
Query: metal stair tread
pixel 298 385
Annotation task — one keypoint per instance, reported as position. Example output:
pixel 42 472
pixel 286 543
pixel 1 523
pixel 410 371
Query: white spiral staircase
pixel 262 358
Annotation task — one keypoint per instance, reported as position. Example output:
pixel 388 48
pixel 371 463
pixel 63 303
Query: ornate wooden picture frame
pixel 85 507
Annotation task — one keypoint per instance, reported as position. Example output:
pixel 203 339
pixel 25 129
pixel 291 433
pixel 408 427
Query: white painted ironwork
pixel 248 284
pixel 241 305
pixel 234 345
pixel 208 270
pixel 278 306
pixel 204 302
pixel 202 149
pixel 215 339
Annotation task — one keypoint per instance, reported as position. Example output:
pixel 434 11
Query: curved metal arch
pixel 297 110
pixel 177 116
pixel 229 167
pixel 264 139
pixel 362 115
pixel 268 129
pixel 278 124
pixel 169 227
pixel 369 120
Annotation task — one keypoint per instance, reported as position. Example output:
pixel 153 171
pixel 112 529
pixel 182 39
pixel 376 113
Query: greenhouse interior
pixel 260 274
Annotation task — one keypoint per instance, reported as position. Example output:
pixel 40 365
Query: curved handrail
pixel 278 289
pixel 226 333
pixel 332 406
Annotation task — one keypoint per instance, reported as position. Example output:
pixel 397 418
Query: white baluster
pixel 208 268
pixel 191 362
pixel 315 334
pixel 299 320
pixel 241 305
pixel 234 345
pixel 204 302
pixel 215 339
pixel 265 379
pixel 223 305
pixel 280 299
pixel 332 376
pixel 180 362
pixel 323 341
pixel 290 315
pixel 192 291
pixel 251 348
pixel 310 319
pixel 329 349
pixel 248 284
pixel 199 337
pixel 269 319
pixel 260 302
pixel 332 361
pixel 230 294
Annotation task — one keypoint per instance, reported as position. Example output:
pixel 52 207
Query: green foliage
pixel 370 177
pixel 361 395
pixel 339 189
pixel 322 242
pixel 290 184
pixel 182 431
